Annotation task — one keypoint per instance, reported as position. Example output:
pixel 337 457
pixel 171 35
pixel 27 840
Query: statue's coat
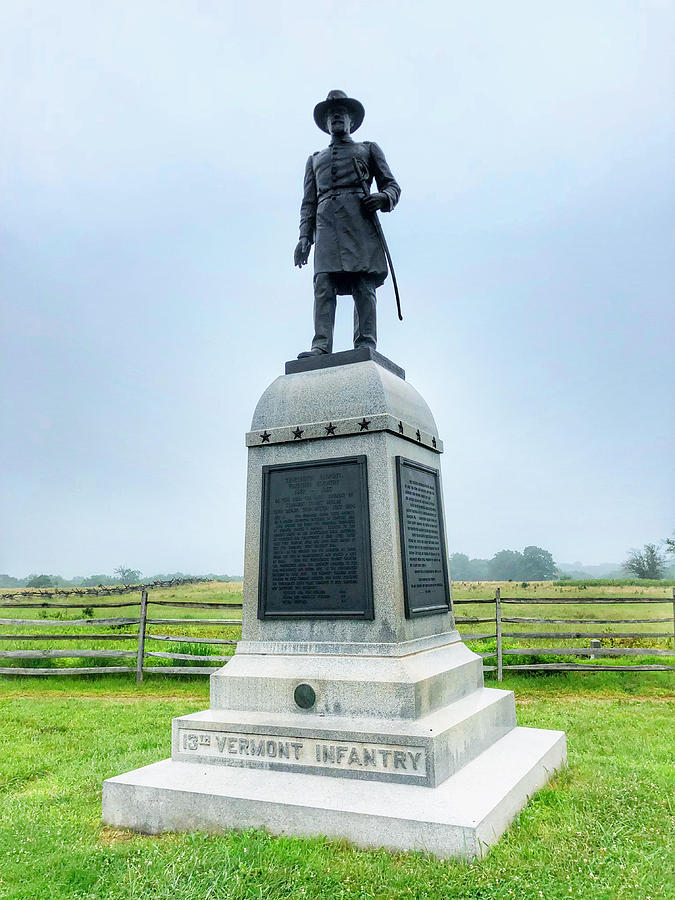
pixel 331 214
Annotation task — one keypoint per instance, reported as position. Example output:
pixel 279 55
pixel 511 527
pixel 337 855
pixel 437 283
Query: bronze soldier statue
pixel 339 220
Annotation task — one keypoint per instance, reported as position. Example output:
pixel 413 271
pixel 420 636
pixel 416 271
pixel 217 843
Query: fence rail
pixel 583 667
pixel 137 657
pixel 595 650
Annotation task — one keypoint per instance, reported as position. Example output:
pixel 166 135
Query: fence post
pixel 498 623
pixel 674 618
pixel 141 636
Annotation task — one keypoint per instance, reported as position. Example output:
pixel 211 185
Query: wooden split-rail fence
pixel 147 623
pixel 144 620
pixel 595 650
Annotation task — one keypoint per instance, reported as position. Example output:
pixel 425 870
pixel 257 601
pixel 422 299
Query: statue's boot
pixel 315 351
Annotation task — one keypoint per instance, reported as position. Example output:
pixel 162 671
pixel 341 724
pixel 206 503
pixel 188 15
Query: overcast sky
pixel 151 169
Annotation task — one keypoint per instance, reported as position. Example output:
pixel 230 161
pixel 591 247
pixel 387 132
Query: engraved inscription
pixel 315 553
pixel 349 755
pixel 313 519
pixel 425 572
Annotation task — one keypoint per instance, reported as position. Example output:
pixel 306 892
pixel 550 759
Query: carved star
pixel 400 427
pixel 330 428
pixel 297 434
pixel 265 437
pixel 433 441
pixel 364 423
pixel 418 435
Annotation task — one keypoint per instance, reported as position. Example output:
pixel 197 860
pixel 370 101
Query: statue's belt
pixel 331 195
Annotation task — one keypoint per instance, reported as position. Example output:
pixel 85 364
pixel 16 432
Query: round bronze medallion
pixel 304 696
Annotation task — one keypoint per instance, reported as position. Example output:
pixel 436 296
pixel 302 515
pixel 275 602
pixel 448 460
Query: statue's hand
pixel 373 202
pixel 301 254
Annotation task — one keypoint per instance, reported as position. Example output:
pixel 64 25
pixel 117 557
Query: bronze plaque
pixel 315 541
pixel 426 584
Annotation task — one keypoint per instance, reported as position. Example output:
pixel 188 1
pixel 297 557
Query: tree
pixel 39 581
pixel 538 565
pixel 128 576
pixel 533 564
pixel 670 544
pixel 460 567
pixel 8 581
pixel 96 580
pixel 646 563
pixel 479 569
pixel 507 565
pixel 464 569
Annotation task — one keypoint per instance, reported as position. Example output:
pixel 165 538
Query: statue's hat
pixel 339 98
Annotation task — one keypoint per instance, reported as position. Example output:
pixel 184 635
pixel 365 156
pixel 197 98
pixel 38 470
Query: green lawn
pixel 603 829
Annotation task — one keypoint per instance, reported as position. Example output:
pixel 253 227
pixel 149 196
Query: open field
pixel 603 830
pixel 230 592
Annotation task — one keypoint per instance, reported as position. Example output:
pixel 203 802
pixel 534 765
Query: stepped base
pixel 461 817
pixel 424 751
pixel 381 687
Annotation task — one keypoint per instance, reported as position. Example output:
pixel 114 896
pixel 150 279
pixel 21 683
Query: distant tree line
pixel 121 575
pixel 533 564
pixel 536 564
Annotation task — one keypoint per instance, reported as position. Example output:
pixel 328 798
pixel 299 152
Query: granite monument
pixel 351 707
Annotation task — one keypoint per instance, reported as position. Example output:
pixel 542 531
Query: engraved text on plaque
pixel 426 583
pixel 315 541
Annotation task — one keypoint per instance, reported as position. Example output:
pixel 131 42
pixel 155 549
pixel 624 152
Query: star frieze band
pixel 328 429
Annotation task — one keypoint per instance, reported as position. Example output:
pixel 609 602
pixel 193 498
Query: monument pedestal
pixel 351 708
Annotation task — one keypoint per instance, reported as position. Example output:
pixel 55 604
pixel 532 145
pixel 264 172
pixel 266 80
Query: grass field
pixel 230 592
pixel 603 829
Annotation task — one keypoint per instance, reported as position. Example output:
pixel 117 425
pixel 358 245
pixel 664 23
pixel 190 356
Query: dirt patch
pixel 110 836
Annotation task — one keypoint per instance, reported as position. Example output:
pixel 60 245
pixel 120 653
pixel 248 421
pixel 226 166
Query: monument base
pixel 463 816
pixel 351 708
